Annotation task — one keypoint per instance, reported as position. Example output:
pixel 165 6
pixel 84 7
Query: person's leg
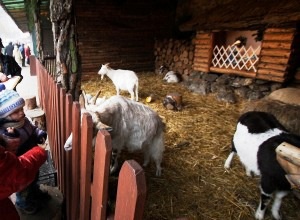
pixel 24 203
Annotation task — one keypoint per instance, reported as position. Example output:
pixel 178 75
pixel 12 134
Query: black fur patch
pixel 260 122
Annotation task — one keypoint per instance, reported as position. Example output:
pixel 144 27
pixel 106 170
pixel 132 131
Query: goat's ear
pixel 107 64
pixel 81 101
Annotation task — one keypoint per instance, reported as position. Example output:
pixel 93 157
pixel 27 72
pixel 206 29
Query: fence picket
pixel 76 120
pixel 131 195
pixel 71 192
pixel 85 165
pixel 99 188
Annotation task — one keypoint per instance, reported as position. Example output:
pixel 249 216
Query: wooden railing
pixel 83 175
pixel 236 58
pixel 49 62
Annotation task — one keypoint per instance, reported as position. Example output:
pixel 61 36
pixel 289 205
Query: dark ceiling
pixel 236 14
pixel 193 15
pixel 16 9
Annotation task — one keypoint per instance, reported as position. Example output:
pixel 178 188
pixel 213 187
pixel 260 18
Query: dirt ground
pixel 194 183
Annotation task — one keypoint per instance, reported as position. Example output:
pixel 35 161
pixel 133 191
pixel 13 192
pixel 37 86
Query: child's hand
pixel 42 136
pixel 43 145
pixel 3 77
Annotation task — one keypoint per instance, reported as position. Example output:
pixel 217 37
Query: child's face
pixel 17 115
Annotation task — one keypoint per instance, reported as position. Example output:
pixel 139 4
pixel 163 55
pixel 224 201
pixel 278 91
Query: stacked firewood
pixel 176 55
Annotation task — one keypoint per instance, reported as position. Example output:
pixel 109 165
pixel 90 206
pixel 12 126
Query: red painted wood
pixel 99 188
pixel 131 192
pixel 76 159
pixel 85 166
pixel 68 178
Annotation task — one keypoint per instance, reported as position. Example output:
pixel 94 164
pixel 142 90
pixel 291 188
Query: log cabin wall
pixel 278 57
pixel 275 56
pixel 203 51
pixel 121 33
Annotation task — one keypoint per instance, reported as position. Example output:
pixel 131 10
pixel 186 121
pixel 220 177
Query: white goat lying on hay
pixel 171 77
pixel 134 126
pixel 122 79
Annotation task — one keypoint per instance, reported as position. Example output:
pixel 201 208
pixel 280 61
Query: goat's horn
pixel 84 102
pixel 94 99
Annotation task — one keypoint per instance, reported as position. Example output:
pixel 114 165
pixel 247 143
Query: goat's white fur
pixel 122 79
pixel 171 77
pixel 134 126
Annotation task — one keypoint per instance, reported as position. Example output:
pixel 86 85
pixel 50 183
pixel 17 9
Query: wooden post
pixel 289 153
pixel 30 102
pixel 288 156
pixel 38 118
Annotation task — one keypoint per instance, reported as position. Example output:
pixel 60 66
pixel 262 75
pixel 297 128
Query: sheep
pixel 284 104
pixel 122 79
pixel 135 126
pixel 289 96
pixel 255 141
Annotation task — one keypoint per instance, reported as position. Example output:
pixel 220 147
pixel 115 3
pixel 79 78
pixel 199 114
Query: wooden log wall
pixel 121 33
pixel 276 54
pixel 176 55
pixel 203 51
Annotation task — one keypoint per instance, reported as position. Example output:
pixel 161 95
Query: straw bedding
pixel 194 183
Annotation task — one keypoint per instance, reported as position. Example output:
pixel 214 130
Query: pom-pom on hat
pixel 10 101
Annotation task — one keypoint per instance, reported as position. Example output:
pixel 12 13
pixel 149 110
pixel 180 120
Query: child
pixel 12 117
pixel 15 174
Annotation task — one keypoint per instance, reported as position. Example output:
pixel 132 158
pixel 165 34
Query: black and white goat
pixel 255 140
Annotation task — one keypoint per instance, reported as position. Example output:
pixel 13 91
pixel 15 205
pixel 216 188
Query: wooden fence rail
pixel 83 174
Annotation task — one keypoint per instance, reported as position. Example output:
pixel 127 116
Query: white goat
pixel 122 79
pixel 171 77
pixel 135 126
pixel 88 104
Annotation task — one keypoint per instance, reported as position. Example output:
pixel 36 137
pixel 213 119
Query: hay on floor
pixel 194 183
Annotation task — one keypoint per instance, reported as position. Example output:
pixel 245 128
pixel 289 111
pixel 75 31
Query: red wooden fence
pixel 84 183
